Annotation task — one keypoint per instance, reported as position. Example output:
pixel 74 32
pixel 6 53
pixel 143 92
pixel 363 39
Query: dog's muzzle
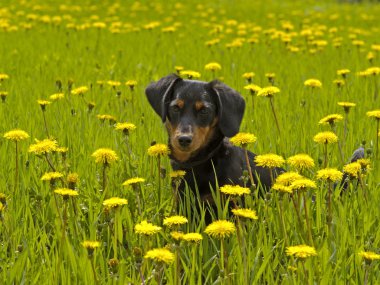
pixel 185 140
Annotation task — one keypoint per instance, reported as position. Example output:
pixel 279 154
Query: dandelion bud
pixel 90 106
pixel 3 96
pixel 113 263
pixel 58 84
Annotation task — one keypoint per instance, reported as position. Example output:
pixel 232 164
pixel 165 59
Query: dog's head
pixel 194 110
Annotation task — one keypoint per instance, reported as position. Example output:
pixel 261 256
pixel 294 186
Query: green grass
pixel 36 54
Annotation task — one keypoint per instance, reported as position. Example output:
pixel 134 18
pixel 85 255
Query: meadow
pixel 84 202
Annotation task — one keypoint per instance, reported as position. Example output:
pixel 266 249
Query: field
pixel 71 73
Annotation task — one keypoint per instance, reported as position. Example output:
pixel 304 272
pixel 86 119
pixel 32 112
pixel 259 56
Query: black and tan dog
pixel 200 117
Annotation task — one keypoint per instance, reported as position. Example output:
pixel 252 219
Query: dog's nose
pixel 185 141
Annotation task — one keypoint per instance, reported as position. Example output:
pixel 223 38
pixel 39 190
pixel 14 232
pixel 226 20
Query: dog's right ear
pixel 159 92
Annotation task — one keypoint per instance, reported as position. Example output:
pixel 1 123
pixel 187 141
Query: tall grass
pixel 38 50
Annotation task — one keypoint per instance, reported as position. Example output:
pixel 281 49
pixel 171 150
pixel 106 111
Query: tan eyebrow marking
pixel 180 103
pixel 199 105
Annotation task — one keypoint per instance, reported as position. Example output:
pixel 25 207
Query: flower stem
pixel 249 167
pixel 93 269
pixel 307 220
pixel 16 170
pixel 329 217
pixel 325 162
pixel 281 214
pixel 104 180
pixel 274 114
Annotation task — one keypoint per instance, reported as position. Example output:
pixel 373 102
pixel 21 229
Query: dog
pixel 199 118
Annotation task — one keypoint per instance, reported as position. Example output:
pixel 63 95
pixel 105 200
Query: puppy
pixel 200 117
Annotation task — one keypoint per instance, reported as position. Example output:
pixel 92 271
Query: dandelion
pixel 325 138
pixel 178 69
pixel 245 213
pixel 339 82
pixel 113 83
pixel 331 119
pixel 213 66
pixel 353 169
pixel 270 76
pixel 303 184
pixel 176 177
pixel 190 74
pixel 56 96
pixel 192 237
pixel 80 90
pixel 133 181
pixel 369 255
pixel 269 92
pixel 252 88
pixel 343 72
pixel 125 127
pixel 3 77
pixel 3 96
pixel 248 76
pixel 175 221
pixel 287 178
pixel 177 235
pixel 301 161
pixel 301 251
pixel 177 174
pixel 66 192
pixel 90 246
pixel 346 106
pixel 243 139
pixel 51 177
pixel 313 83
pixel 131 84
pixel 72 180
pixel 106 117
pixel 234 190
pixel 43 147
pixel 114 202
pixel 145 228
pixel 269 160
pixel 220 229
pixel 161 255
pixel 105 156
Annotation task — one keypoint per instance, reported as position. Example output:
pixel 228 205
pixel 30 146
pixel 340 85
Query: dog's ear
pixel 231 107
pixel 159 92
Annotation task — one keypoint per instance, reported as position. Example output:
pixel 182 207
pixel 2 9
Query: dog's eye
pixel 175 109
pixel 204 111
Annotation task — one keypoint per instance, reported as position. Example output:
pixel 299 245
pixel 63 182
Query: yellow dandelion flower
pixel 248 75
pixel 190 74
pixel 114 202
pixel 177 235
pixel 57 96
pixel 243 139
pixel 374 114
pixel 373 70
pixel 16 135
pixel 269 160
pixel 329 174
pixel 192 237
pixel 330 119
pixel 270 76
pixel 104 156
pixel 125 127
pixel 268 91
pixel 89 244
pixel 252 88
pixel 301 161
pixel 80 90
pixel 161 255
pixel 43 103
pixel 3 76
pixel 158 150
pixel 145 228
pixel 343 72
pixel 113 83
pixel 287 178
pixel 66 192
pixel 234 190
pixel 369 255
pixel 245 213
pixel 220 229
pixel 99 25
pixel 3 198
pixel 353 169
pixel 175 221
pixel 177 174
pixel 303 184
pixel 213 66
pixel 48 176
pixel 131 84
pixel 72 177
pixel 314 83
pixel 325 138
pixel 301 251
pixel 364 163
pixel 3 95
pixel 282 188
pixel 178 69
pixel 339 82
pixel 43 147
pixel 106 117
pixel 346 106
pixel 133 181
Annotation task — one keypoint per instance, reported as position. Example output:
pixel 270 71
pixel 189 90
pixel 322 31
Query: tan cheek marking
pixel 199 105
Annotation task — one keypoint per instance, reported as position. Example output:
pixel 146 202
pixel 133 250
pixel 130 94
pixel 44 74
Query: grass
pixel 47 45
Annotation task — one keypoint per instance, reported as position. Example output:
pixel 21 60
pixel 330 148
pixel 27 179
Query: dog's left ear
pixel 231 107
pixel 159 93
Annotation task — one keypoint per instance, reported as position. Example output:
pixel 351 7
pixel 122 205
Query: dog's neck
pixel 202 156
